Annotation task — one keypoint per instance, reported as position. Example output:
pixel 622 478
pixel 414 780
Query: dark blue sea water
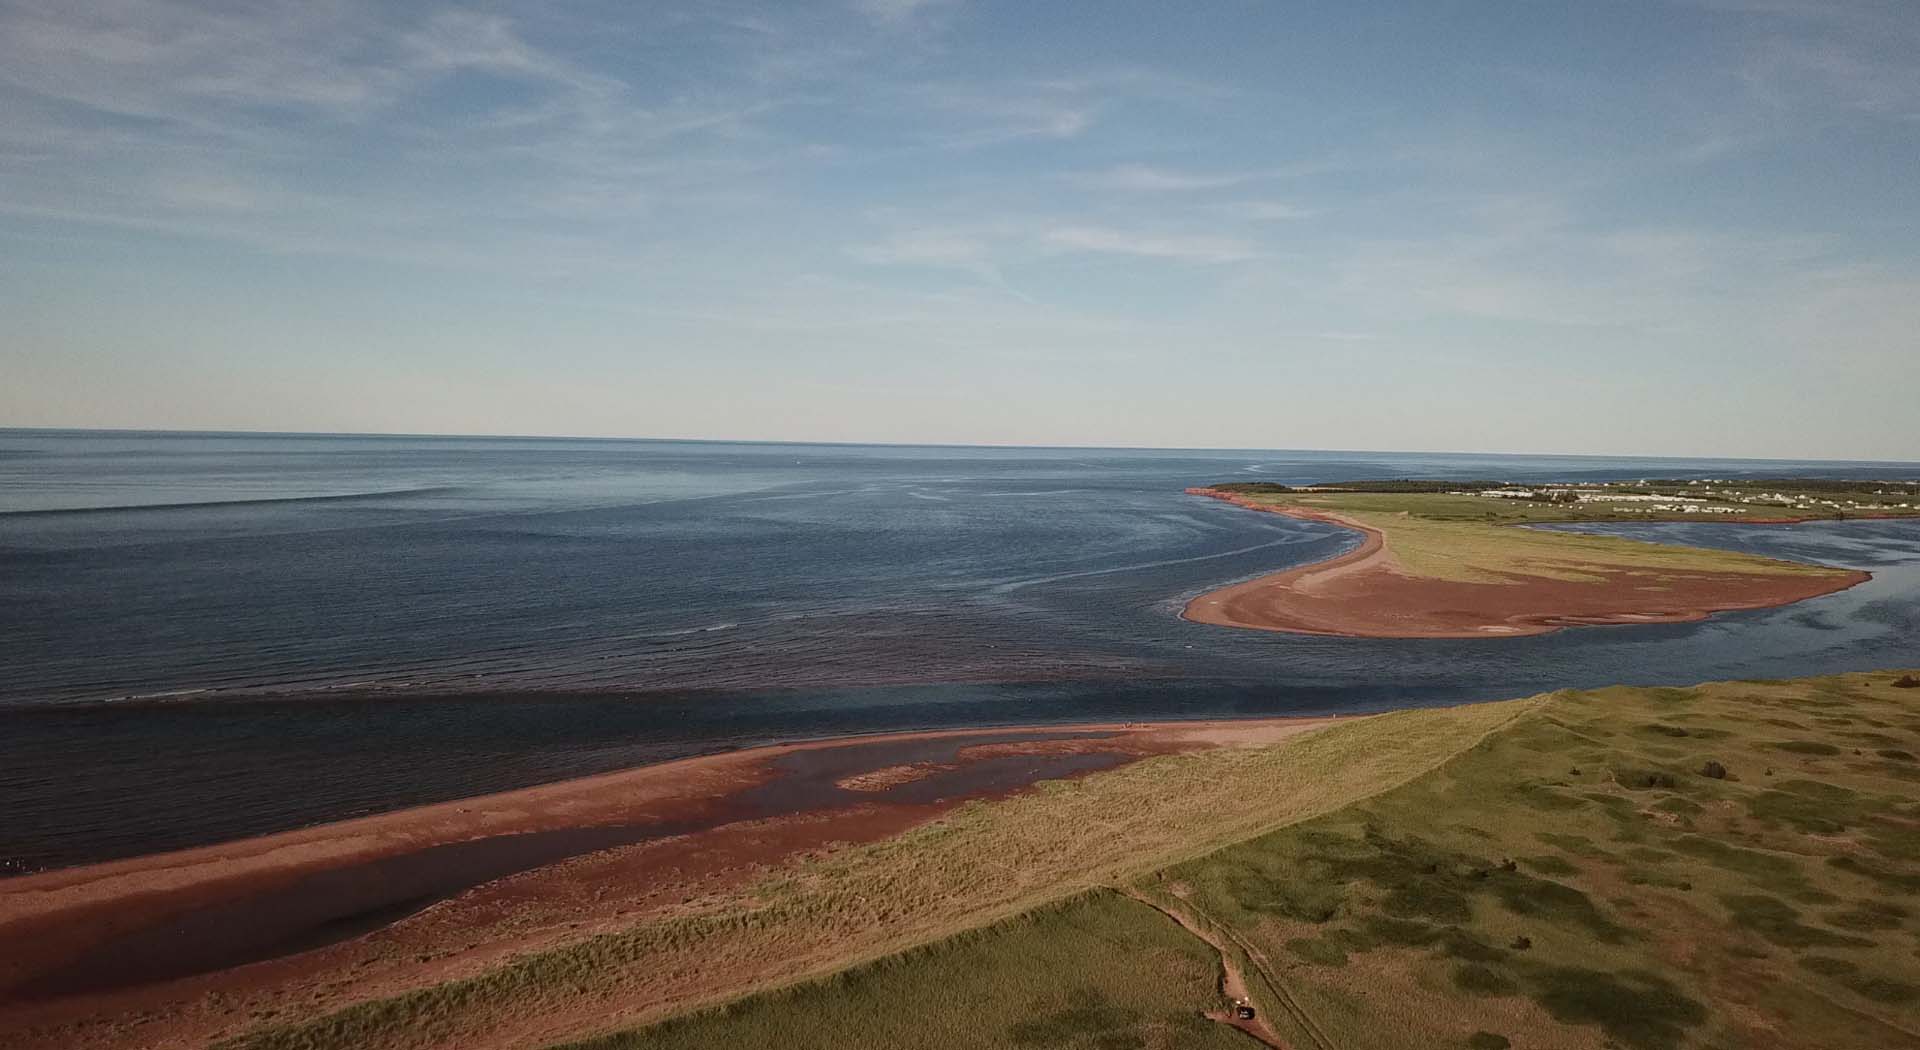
pixel 205 636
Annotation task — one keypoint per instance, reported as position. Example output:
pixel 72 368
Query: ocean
pixel 212 635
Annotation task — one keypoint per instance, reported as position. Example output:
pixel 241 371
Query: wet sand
pixel 1365 593
pixel 362 907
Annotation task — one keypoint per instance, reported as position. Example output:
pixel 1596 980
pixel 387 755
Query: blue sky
pixel 1675 227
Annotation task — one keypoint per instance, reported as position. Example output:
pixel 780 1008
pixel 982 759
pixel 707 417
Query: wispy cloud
pixel 893 12
pixel 1845 55
pixel 961 251
pixel 925 247
pixel 452 41
pixel 1330 336
pixel 1272 211
pixel 1193 249
pixel 980 115
pixel 1840 73
pixel 169 115
pixel 1145 178
pixel 171 59
pixel 879 175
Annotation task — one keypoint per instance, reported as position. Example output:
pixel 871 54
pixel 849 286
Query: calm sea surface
pixel 205 636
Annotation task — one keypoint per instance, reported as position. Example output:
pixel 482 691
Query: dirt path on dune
pixel 1365 593
pixel 1233 983
pixel 176 950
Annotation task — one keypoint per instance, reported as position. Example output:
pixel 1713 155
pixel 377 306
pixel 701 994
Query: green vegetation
pixel 1773 911
pixel 1446 535
pixel 1554 872
pixel 1098 971
pixel 1539 889
pixel 979 864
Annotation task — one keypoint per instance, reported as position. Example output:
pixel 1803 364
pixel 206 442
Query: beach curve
pixel 1366 593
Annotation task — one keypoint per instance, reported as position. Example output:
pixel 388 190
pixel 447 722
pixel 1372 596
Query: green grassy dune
pixel 1731 866
pixel 1098 970
pixel 1734 865
pixel 979 864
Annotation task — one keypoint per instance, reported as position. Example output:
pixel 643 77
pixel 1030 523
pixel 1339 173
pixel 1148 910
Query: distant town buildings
pixel 1710 500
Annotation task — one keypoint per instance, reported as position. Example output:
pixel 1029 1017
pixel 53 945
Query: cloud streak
pixel 1178 248
pixel 745 185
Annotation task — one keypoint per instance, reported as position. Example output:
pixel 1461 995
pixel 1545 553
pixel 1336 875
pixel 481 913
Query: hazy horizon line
pixel 450 436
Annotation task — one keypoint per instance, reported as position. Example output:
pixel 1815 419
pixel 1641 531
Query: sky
pixel 1679 227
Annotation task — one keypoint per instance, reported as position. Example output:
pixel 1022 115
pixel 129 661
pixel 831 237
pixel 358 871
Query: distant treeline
pixel 1252 487
pixel 1416 485
pixel 1392 485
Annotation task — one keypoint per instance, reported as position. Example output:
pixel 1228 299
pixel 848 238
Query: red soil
pixel 1364 593
pixel 114 954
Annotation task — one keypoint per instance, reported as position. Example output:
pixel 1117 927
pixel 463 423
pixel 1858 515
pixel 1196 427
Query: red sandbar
pixel 1364 593
pixel 85 950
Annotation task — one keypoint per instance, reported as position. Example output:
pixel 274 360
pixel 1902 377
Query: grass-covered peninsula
pixel 1442 560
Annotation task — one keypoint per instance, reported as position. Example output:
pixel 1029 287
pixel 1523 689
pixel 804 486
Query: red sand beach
pixel 125 953
pixel 1364 593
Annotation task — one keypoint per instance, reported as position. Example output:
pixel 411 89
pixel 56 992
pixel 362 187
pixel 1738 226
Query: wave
pixel 1284 541
pixel 264 501
pixel 685 631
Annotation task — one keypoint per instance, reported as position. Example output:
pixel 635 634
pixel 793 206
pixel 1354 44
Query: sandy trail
pixel 143 952
pixel 1365 593
pixel 1233 983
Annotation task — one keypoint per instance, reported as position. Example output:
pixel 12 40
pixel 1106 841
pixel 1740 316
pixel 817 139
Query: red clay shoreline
pixel 1363 593
pixel 91 949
